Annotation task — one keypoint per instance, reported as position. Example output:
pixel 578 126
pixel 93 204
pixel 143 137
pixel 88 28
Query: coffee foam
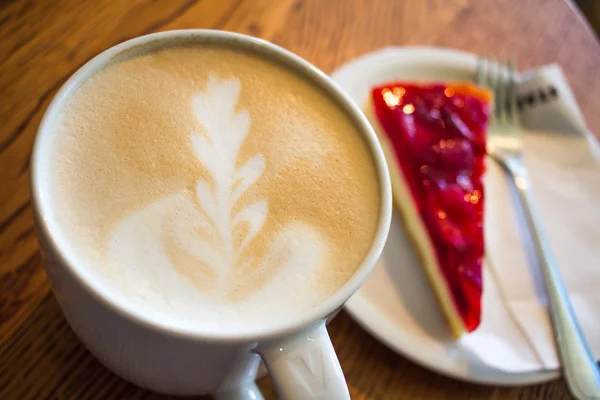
pixel 211 184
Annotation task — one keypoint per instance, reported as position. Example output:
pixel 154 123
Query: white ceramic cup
pixel 298 353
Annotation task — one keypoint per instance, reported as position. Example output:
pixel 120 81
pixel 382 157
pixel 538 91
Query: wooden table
pixel 45 41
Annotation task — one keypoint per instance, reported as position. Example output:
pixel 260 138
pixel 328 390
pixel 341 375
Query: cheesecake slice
pixel 434 136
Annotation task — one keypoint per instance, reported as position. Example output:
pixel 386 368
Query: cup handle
pixel 305 366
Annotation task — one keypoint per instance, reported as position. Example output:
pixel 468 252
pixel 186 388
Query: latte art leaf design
pixel 208 237
pixel 225 129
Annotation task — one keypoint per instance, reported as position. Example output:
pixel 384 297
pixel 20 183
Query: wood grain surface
pixel 45 41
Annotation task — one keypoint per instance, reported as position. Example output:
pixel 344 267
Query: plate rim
pixel 359 307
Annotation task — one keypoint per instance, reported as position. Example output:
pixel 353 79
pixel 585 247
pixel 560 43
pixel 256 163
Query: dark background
pixel 591 10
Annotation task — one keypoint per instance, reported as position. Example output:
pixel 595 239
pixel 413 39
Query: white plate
pixel 396 304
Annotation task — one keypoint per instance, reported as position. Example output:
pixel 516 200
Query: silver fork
pixel 506 148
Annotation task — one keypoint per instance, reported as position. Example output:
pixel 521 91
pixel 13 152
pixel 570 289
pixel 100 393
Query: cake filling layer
pixel 437 133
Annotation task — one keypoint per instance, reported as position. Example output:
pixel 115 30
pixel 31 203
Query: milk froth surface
pixel 212 186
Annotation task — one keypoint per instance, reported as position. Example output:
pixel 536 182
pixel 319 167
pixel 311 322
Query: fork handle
pixel 579 367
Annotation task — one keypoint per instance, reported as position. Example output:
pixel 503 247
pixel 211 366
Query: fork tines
pixel 502 80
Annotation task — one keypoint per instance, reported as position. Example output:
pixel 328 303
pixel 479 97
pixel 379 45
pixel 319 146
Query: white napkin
pixel 562 158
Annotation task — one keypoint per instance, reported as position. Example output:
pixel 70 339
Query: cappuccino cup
pixel 204 200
